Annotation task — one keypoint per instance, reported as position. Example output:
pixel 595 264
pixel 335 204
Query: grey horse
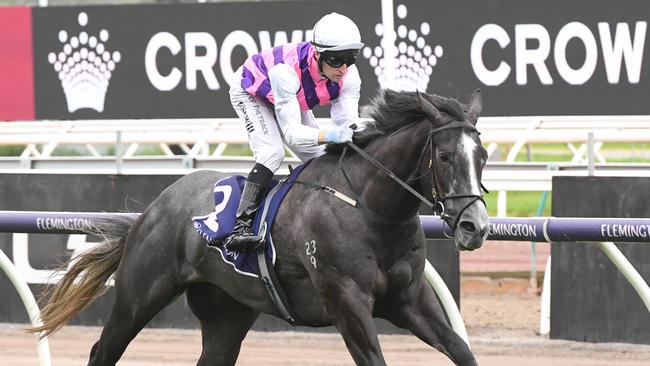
pixel 338 264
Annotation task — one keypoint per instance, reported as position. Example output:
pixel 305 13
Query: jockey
pixel 273 94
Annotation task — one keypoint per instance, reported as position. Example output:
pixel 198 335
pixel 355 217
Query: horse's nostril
pixel 467 226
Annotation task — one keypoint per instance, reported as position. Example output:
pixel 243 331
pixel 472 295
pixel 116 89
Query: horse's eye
pixel 444 156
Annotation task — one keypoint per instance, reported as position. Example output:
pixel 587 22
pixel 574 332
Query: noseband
pixel 437 205
pixel 438 200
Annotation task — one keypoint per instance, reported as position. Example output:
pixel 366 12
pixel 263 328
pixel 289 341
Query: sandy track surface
pixel 502 330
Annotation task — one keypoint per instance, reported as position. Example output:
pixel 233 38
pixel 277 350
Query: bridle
pixel 438 200
pixel 437 205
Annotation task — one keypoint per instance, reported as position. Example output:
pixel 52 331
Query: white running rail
pixel 42 345
pixel 199 143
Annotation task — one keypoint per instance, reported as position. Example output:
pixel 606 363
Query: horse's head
pixel 456 164
pixel 431 142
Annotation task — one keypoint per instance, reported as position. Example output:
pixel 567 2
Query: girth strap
pixel 267 272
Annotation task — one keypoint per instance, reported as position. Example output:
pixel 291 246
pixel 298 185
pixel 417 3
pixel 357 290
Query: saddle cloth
pixel 217 225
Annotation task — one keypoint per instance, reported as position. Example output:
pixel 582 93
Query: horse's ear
pixel 476 106
pixel 429 109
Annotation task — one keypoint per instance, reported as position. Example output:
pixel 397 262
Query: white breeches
pixel 264 134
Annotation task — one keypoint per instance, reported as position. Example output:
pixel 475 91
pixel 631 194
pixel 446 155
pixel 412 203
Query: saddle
pixel 217 225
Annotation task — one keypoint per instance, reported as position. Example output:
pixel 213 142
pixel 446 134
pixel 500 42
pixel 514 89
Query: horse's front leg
pixel 418 310
pixel 350 309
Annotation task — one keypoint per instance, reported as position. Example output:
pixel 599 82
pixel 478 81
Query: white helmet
pixel 336 32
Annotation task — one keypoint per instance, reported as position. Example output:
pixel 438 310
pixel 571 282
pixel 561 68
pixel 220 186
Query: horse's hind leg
pixel 147 281
pixel 224 323
pixel 130 313
pixel 419 311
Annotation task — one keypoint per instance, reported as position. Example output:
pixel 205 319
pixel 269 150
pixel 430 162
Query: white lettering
pixel 624 231
pixel 582 74
pixel 202 64
pixel 484 34
pixel 211 222
pixel 532 48
pixel 232 40
pixel 158 41
pixel 234 254
pixel 623 48
pixel 52 223
pixel 310 251
pixel 516 230
pixel 535 57
pixel 201 53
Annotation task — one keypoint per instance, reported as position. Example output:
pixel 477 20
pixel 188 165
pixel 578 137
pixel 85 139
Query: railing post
pixel 187 162
pixel 590 154
pixel 628 271
pixel 446 300
pixel 118 152
pixel 31 306
pixel 545 301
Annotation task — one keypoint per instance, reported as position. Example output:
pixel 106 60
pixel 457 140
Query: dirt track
pixel 501 329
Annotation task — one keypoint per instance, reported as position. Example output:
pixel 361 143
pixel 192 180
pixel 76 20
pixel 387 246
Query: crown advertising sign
pixel 164 61
pixel 541 57
pixel 172 61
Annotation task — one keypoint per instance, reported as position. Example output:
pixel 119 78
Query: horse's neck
pixel 400 154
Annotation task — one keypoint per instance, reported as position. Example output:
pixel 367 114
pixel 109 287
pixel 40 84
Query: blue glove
pixel 339 134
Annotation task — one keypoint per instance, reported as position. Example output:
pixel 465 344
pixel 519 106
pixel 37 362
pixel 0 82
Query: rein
pixel 438 201
pixel 385 170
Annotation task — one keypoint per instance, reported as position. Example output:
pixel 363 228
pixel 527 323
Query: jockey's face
pixel 331 72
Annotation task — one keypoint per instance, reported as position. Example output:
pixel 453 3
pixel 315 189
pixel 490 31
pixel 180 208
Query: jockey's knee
pixel 272 158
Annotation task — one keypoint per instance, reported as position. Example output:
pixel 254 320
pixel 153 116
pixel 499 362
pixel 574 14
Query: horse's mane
pixel 391 110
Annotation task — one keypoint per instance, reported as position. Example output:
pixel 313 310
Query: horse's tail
pixel 86 276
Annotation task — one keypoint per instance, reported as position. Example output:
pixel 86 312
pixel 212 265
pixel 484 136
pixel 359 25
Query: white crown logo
pixel 414 61
pixel 85 67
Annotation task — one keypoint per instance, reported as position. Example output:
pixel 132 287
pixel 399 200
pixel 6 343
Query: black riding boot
pixel 242 237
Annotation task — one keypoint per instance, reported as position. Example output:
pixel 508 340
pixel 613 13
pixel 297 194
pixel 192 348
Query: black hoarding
pixel 166 61
pixel 591 300
pixel 529 57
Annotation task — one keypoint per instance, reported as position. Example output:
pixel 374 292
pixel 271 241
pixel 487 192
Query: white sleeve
pixel 345 108
pixel 285 86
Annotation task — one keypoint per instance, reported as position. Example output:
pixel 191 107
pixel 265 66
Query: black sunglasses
pixel 337 59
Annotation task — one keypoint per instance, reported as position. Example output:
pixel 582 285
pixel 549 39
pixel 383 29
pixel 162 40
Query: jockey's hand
pixel 339 134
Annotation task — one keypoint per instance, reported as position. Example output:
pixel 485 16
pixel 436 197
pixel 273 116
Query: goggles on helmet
pixel 337 59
